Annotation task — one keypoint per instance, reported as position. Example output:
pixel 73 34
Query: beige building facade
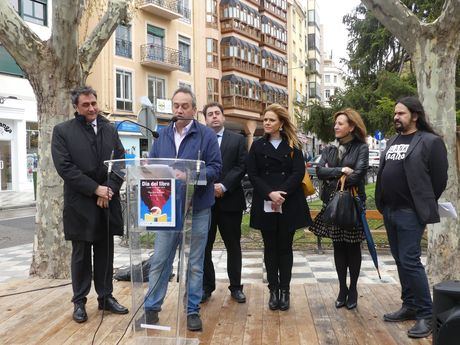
pixel 149 57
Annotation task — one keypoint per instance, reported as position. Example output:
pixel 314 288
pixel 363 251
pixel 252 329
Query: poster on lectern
pixel 157 206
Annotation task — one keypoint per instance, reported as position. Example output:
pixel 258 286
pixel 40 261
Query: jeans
pixel 161 263
pixel 405 232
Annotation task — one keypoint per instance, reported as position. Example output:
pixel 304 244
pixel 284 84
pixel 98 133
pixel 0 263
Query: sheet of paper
pixel 268 207
pixel 446 209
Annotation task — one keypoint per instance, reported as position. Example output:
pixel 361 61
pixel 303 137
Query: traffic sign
pixel 378 135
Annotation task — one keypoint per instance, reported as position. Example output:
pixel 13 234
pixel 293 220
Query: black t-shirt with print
pixel 395 189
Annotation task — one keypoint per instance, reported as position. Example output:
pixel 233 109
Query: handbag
pixel 341 208
pixel 307 185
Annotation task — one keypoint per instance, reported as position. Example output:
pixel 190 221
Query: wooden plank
pixel 270 323
pixel 252 333
pixel 210 314
pixel 288 326
pixel 303 316
pixel 338 319
pixel 321 319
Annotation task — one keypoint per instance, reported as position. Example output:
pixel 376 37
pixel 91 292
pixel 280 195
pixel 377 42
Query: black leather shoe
pixel 150 318
pixel 112 305
pixel 402 314
pixel 273 302
pixel 194 322
pixel 79 313
pixel 352 300
pixel 341 298
pixel 205 297
pixel 284 300
pixel 421 329
pixel 238 296
pixel 340 304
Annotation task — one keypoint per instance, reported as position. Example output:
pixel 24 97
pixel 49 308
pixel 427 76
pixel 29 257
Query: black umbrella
pixel 367 233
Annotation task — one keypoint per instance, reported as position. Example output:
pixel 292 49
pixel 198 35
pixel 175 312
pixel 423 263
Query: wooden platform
pixel 44 317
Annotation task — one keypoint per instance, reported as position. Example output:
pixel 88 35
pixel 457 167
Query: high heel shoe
pixel 273 302
pixel 341 299
pixel 352 301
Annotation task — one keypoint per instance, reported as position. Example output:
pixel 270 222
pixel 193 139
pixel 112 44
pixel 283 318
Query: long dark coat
pixel 79 155
pixel 269 170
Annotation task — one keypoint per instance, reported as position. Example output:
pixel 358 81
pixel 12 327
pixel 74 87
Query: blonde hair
pixel 354 119
pixel 289 131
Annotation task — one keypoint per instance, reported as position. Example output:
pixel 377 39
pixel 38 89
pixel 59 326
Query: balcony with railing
pixel 235 64
pixel 278 12
pixel 235 25
pixel 168 9
pixel 274 77
pixel 274 43
pixel 123 48
pixel 242 103
pixel 160 57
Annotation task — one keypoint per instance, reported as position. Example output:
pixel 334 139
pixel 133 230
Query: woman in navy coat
pixel 276 168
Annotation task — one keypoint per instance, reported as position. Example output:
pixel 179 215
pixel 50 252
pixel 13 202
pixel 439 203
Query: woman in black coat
pixel 348 156
pixel 276 168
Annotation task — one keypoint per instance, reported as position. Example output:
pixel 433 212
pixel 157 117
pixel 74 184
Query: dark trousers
pixel 229 224
pixel 82 270
pixel 405 232
pixel 278 257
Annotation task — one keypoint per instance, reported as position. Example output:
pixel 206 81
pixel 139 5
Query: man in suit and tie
pixel 227 212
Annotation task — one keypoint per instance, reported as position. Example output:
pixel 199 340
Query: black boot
pixel 284 299
pixel 273 302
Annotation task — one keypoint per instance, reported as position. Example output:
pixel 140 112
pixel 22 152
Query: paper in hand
pixel 268 207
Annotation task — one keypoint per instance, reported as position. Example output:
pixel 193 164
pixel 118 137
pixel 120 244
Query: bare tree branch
pixel 117 12
pixel 64 38
pixel 398 19
pixel 19 40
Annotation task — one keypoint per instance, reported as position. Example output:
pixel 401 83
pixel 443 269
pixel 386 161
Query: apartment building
pixel 251 39
pixel 333 78
pixel 18 106
pixel 149 57
pixel 298 53
pixel 314 52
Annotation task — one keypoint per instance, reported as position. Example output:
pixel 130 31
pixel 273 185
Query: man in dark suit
pixel 79 148
pixel 411 178
pixel 227 212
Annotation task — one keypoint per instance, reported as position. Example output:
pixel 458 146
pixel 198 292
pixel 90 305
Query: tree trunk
pixel 51 256
pixel 435 65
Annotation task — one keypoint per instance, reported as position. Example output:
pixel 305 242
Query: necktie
pixel 94 128
pixel 219 137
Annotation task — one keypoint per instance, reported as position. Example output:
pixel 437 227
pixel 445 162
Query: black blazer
pixel 271 169
pixel 426 167
pixel 79 155
pixel 234 152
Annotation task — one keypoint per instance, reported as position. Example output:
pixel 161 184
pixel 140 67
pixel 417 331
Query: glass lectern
pixel 159 194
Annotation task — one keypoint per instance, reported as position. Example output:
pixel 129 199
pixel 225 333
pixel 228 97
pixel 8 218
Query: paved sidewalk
pixel 308 266
pixel 10 200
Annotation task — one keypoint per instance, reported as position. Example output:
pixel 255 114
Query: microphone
pixel 154 133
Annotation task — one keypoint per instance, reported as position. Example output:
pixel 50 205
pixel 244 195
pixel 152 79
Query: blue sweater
pixel 198 136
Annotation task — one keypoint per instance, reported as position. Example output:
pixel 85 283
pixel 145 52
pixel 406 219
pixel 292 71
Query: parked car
pixel 311 165
pixel 374 158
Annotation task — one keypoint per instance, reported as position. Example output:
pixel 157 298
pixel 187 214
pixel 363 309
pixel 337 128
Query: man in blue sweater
pixel 184 139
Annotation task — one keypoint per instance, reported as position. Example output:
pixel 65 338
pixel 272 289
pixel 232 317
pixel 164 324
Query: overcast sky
pixel 335 34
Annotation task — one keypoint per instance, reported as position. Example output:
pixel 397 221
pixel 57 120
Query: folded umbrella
pixel 367 234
